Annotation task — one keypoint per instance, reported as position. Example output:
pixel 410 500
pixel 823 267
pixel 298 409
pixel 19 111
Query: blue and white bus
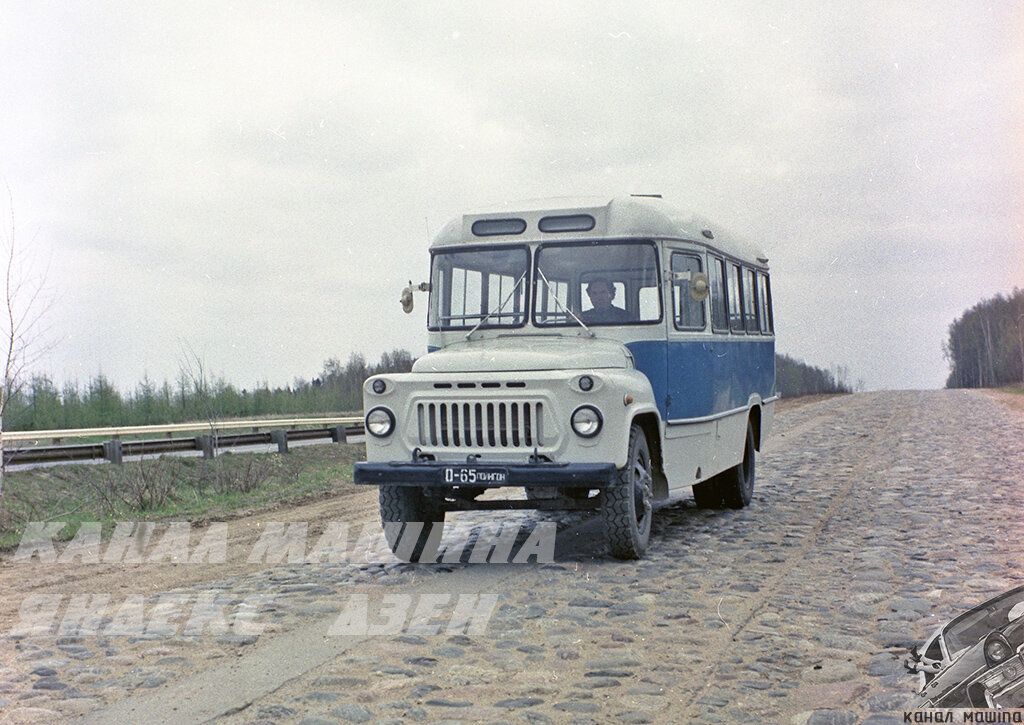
pixel 598 353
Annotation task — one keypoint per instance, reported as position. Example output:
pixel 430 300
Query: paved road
pixel 875 517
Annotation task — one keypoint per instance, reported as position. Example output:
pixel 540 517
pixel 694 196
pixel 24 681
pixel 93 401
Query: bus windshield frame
pixel 479 287
pixel 577 275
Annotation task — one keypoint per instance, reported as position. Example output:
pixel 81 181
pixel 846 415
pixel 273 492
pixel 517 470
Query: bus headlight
pixel 379 386
pixel 380 422
pixel 586 421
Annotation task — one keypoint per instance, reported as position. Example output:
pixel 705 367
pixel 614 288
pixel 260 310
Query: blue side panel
pixel 649 356
pixel 704 377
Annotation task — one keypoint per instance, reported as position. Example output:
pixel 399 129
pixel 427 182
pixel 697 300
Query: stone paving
pixel 875 518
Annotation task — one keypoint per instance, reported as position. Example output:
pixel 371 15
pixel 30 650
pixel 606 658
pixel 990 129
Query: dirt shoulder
pixel 353 505
pixel 1014 401
pixel 784 403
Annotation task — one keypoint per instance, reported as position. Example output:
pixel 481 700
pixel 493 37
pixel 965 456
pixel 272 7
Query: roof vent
pixel 493 227
pixel 569 223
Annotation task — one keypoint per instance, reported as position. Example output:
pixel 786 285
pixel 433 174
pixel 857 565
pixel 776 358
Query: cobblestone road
pixel 875 518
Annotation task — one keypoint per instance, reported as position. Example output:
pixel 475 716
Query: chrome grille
pixel 479 424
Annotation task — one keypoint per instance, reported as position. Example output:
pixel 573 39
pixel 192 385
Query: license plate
pixel 473 475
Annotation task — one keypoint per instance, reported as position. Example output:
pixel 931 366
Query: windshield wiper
pixel 562 304
pixel 486 317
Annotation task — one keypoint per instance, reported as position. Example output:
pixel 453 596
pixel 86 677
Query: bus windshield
pixel 602 283
pixel 479 287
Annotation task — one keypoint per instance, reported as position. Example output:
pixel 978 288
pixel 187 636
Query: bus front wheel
pixel 408 518
pixel 627 506
pixel 737 484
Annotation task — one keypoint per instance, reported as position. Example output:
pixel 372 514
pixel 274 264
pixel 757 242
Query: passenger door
pixel 688 368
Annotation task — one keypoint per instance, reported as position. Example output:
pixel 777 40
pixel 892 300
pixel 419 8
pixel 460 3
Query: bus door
pixel 689 364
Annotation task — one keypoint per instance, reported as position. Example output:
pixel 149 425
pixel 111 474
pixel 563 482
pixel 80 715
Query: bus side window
pixel 719 307
pixel 688 312
pixel 764 297
pixel 735 298
pixel 749 301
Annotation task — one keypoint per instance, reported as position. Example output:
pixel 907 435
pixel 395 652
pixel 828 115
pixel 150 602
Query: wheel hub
pixel 642 489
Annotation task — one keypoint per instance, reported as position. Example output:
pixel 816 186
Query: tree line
pixel 337 388
pixel 193 396
pixel 794 378
pixel 985 347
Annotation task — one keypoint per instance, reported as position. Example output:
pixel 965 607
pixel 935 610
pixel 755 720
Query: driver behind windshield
pixel 601 293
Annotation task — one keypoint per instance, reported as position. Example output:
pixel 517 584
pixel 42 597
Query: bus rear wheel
pixel 627 506
pixel 737 484
pixel 408 518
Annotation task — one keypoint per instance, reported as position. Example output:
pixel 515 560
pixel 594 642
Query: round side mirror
pixel 699 286
pixel 407 299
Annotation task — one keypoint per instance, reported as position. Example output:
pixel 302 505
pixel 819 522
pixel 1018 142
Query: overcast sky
pixel 257 181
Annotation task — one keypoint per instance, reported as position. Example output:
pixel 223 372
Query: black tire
pixel 737 484
pixel 708 494
pixel 409 518
pixel 627 506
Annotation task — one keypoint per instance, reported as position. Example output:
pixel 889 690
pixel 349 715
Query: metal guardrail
pixel 117 431
pixel 277 431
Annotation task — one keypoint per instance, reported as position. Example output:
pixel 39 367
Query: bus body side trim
pixel 709 418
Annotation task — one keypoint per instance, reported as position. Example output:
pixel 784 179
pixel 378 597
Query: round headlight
pixel 586 383
pixel 586 421
pixel 380 422
pixel 379 386
pixel 997 649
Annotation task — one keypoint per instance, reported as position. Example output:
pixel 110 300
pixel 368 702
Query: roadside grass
pixel 171 488
pixel 1015 388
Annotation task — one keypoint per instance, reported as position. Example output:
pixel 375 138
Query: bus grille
pixel 503 424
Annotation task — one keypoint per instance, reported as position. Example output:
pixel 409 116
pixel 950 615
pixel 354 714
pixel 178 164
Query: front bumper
pixel 432 474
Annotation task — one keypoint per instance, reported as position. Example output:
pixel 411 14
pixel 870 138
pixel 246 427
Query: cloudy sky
pixel 256 181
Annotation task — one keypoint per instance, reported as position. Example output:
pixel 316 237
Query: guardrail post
pixel 205 444
pixel 339 434
pixel 280 437
pixel 112 451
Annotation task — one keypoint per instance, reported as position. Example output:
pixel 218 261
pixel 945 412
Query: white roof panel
pixel 618 217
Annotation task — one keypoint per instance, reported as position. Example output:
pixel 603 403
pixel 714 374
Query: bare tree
pixel 193 373
pixel 25 306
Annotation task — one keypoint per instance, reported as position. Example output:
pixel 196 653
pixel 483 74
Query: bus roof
pixel 639 217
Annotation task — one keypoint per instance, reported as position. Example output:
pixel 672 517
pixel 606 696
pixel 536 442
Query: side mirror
pixel 406 299
pixel 700 288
